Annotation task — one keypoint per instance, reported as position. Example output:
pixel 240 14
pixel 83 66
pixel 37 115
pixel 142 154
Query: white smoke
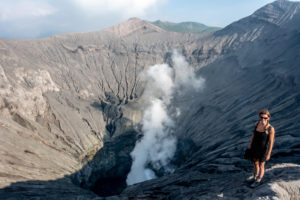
pixel 158 145
pixel 184 74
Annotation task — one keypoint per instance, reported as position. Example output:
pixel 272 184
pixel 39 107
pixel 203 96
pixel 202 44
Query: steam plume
pixel 158 145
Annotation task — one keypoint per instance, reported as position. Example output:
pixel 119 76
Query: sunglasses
pixel 264 118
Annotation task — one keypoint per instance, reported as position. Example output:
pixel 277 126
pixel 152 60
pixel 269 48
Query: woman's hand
pixel 268 157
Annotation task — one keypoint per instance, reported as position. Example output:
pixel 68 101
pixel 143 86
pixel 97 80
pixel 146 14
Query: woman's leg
pixel 262 169
pixel 256 167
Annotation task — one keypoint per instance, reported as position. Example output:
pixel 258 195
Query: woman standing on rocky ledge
pixel 261 146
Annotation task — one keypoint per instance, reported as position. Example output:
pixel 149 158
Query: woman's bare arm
pixel 250 145
pixel 272 135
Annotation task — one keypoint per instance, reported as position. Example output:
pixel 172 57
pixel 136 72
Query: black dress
pixel 260 145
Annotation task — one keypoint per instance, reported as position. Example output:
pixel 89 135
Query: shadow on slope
pixel 104 172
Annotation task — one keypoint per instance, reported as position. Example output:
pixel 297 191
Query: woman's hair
pixel 265 112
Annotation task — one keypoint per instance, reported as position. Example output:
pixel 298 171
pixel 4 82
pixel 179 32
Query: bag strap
pixel 268 129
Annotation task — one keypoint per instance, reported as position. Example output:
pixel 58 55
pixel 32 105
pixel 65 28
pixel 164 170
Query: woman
pixel 261 145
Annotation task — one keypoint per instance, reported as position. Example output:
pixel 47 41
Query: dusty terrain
pixel 69 110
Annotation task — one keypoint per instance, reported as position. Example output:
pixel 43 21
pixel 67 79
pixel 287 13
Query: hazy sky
pixel 40 18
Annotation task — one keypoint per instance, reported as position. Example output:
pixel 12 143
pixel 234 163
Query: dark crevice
pixel 106 174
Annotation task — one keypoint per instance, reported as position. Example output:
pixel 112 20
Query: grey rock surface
pixel 70 103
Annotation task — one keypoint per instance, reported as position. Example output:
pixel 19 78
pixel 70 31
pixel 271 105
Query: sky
pixel 27 19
